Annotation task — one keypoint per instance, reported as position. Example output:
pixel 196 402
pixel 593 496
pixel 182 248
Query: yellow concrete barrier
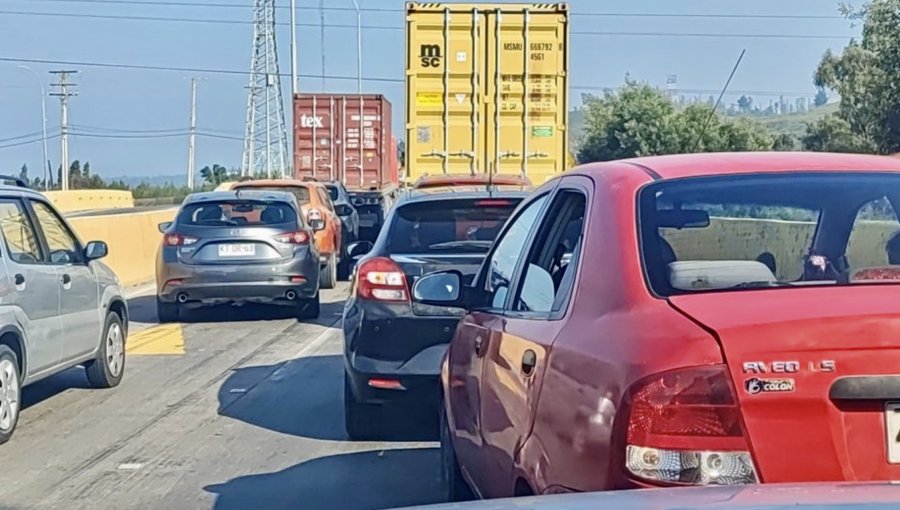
pixel 133 241
pixel 90 199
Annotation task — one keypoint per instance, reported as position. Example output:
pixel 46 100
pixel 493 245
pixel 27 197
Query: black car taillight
pixel 174 239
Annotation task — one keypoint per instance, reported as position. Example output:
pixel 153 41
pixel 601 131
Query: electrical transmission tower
pixel 265 139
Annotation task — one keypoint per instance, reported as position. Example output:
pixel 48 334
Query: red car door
pixel 515 359
pixel 473 336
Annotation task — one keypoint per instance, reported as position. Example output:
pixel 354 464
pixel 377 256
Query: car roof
pixel 211 196
pixel 276 182
pixel 462 192
pixel 733 163
pixel 6 189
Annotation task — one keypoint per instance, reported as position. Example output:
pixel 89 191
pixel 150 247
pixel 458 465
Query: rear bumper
pixel 264 283
pixel 388 342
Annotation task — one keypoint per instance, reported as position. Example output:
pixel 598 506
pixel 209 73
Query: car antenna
pixel 490 185
pixel 716 106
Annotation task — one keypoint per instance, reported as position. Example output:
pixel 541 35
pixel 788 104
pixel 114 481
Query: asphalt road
pixel 237 409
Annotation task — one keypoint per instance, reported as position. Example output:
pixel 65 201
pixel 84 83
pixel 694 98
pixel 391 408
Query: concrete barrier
pixel 90 199
pixel 133 241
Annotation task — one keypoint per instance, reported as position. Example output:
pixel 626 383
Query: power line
pixel 400 10
pixel 400 28
pixel 234 72
pixel 27 142
pixel 14 138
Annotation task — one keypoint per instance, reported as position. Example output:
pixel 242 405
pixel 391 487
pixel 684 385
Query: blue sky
pixel 121 102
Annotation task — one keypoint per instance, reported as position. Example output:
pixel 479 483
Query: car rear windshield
pixel 765 231
pixel 237 213
pixel 333 192
pixel 447 226
pixel 301 193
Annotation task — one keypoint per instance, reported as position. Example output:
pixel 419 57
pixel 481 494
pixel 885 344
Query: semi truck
pixel 348 138
pixel 486 89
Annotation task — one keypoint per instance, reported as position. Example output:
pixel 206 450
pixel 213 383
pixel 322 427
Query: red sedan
pixel 709 319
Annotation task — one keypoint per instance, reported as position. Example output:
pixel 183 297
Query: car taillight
pixel 493 203
pixel 178 240
pixel 382 280
pixel 684 427
pixel 314 214
pixel 298 237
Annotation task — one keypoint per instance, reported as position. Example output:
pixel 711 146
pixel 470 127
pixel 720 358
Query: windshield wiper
pixel 450 245
pixel 759 285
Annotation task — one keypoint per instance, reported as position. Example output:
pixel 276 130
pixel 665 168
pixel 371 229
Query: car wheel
pixel 455 486
pixel 328 277
pixel 309 308
pixel 360 420
pixel 10 392
pixel 107 369
pixel 167 312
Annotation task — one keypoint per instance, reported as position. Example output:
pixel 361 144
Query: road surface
pixel 233 410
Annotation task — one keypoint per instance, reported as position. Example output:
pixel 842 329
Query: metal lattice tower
pixel 265 139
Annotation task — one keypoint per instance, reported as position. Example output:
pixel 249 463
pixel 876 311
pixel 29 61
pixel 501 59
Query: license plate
pixel 892 428
pixel 237 250
pixel 368 220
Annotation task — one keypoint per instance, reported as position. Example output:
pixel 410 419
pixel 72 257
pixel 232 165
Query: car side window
pixel 875 236
pixel 509 249
pixel 19 233
pixel 552 259
pixel 326 200
pixel 64 247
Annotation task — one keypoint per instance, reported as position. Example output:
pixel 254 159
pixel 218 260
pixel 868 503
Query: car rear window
pixel 301 193
pixel 237 213
pixel 333 193
pixel 770 231
pixel 447 226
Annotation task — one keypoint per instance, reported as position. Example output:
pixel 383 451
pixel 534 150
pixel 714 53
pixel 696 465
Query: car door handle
pixel 20 279
pixel 479 344
pixel 529 361
pixel 66 279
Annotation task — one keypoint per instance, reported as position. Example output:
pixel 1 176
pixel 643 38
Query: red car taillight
pixel 178 240
pixel 382 280
pixel 684 427
pixel 298 237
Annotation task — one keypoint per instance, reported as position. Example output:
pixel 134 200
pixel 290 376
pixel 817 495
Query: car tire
pixel 107 369
pixel 328 278
pixel 167 312
pixel 362 421
pixel 10 393
pixel 309 308
pixel 455 486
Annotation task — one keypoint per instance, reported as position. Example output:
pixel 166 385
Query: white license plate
pixel 237 250
pixel 892 428
pixel 367 221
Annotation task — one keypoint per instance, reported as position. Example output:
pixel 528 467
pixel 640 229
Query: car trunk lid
pixel 796 357
pixel 235 245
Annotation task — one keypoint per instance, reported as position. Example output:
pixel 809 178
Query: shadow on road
pixel 143 309
pixel 355 481
pixel 73 378
pixel 304 397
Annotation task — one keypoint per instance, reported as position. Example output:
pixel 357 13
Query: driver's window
pixel 875 237
pixel 510 248
pixel 64 248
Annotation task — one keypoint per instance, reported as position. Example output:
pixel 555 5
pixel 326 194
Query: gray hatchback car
pixel 238 247
pixel 59 305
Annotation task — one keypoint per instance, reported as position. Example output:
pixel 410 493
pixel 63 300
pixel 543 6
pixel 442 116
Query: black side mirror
pixel 358 249
pixel 317 225
pixel 164 226
pixel 443 288
pixel 96 250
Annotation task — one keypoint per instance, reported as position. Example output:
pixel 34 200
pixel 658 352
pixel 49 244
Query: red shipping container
pixel 333 133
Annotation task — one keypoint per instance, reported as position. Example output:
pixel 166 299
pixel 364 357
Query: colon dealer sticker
pixel 756 385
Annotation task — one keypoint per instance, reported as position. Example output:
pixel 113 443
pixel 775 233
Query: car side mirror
pixel 96 250
pixel 358 249
pixel 317 225
pixel 164 226
pixel 443 288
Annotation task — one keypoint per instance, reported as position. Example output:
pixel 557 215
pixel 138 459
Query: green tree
pixel 23 173
pixel 865 73
pixel 745 104
pixel 215 175
pixel 784 142
pixel 821 98
pixel 833 134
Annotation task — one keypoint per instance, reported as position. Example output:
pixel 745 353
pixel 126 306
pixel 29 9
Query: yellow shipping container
pixel 487 89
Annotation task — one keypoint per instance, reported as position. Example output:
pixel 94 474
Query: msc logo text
pixel 430 55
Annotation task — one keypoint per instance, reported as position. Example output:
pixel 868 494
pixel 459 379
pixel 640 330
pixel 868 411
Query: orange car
pixel 316 205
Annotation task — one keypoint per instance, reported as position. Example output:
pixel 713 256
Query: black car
pixel 392 346
pixel 349 222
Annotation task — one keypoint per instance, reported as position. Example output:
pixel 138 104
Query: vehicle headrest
pixel 717 274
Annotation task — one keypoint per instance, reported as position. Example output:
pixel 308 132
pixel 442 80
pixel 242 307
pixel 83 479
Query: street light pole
pixel 358 48
pixel 46 164
pixel 293 50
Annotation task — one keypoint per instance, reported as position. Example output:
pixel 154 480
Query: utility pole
pixel 64 94
pixel 294 83
pixel 193 134
pixel 322 38
pixel 46 163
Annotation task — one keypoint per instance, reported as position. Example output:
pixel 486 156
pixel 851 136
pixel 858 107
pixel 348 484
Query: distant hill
pixel 794 124
pixel 153 180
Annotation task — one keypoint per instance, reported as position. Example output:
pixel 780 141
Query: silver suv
pixel 59 305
